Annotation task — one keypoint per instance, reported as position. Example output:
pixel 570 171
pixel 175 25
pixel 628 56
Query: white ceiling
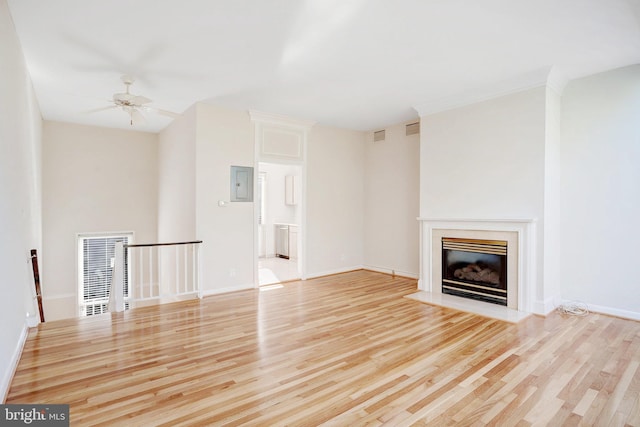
pixel 357 64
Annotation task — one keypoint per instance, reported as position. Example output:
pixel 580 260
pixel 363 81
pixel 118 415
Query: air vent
pixel 378 135
pixel 413 128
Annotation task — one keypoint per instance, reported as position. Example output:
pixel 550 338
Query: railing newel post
pixel 197 271
pixel 118 277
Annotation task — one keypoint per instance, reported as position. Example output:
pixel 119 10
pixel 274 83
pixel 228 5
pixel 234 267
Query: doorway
pixel 279 197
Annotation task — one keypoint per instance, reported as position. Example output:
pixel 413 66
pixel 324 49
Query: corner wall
pixel 391 203
pixel 552 261
pixel 224 138
pixel 335 200
pixel 177 179
pixel 20 197
pixel 94 180
pixel 600 157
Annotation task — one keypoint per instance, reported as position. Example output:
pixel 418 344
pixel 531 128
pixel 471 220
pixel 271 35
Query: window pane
pixel 98 258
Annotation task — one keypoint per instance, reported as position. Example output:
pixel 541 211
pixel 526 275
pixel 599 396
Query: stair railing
pixel 154 272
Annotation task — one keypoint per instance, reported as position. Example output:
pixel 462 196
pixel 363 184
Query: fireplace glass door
pixel 475 269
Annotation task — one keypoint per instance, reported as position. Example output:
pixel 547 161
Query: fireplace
pixel 475 268
pixel 521 265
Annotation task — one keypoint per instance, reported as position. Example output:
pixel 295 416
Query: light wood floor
pixel 343 350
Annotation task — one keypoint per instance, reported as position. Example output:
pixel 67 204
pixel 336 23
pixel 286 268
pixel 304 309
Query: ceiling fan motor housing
pixel 123 98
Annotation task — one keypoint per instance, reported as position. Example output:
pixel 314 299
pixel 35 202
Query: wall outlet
pixel 232 272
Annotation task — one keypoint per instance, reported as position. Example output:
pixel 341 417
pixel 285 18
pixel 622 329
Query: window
pixel 96 258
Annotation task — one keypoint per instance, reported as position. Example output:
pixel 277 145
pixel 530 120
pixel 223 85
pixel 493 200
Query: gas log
pixel 478 272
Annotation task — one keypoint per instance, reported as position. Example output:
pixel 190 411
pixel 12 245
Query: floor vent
pixel 413 128
pixel 378 135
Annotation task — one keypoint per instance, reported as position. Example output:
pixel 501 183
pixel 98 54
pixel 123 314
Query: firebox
pixel 475 269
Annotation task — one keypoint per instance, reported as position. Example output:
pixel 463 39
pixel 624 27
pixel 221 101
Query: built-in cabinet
pixel 282 240
pixel 286 241
pixel 291 190
pixel 293 242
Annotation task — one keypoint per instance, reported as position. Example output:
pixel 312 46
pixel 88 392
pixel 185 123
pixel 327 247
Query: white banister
pixel 152 274
pixel 117 279
pixel 185 264
pixel 177 270
pixel 197 265
pixel 163 272
pixel 152 288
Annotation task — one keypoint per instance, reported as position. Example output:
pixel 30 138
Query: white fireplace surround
pixel 434 228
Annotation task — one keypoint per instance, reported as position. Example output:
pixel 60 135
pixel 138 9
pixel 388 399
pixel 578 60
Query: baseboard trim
pixel 333 272
pixel 391 271
pixel 60 296
pixel 546 306
pixel 610 311
pixel 13 365
pixel 207 292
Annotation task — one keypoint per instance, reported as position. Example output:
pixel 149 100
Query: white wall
pixel 487 161
pixel 94 180
pixel 552 261
pixel 391 202
pixel 335 200
pixel 20 197
pixel 177 179
pixel 601 192
pixel 224 139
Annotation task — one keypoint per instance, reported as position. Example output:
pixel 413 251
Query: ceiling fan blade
pixel 140 100
pixel 96 110
pixel 137 118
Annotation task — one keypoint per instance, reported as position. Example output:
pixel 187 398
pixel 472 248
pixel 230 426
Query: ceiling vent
pixel 413 128
pixel 378 135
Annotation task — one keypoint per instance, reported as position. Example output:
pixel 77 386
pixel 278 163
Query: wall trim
pixel 60 296
pixel 280 120
pixel 13 365
pixel 336 271
pixel 609 311
pixel 546 306
pixel 391 271
pixel 453 102
pixel 208 292
pixel 551 77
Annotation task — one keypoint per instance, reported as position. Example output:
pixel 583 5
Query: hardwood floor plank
pixel 585 402
pixel 340 350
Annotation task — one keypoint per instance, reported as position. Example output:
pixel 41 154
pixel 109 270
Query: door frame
pixel 281 140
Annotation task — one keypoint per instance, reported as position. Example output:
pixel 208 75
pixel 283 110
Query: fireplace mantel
pixel 525 228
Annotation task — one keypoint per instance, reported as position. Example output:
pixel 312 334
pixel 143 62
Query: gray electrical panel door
pixel 241 184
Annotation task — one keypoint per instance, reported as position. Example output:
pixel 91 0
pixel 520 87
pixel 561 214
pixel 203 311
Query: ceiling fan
pixel 132 104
